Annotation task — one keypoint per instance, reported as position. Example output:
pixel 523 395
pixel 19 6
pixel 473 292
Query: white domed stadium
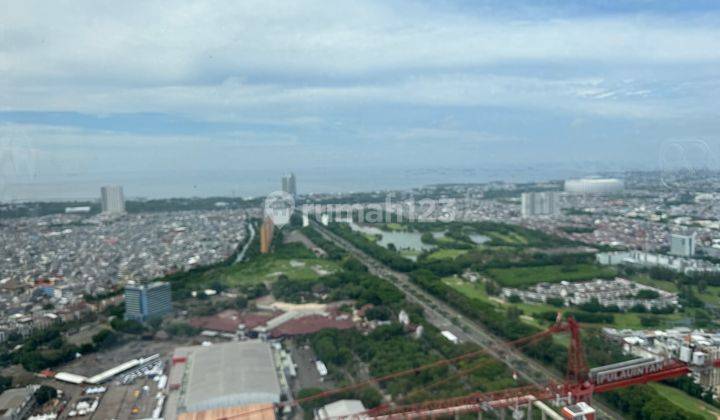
pixel 594 186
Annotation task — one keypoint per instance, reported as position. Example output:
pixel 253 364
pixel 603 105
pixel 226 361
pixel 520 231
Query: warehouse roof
pixel 230 374
pixel 352 409
pixel 13 400
pixel 247 412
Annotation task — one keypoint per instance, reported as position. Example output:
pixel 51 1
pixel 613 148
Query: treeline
pixel 184 204
pixel 389 349
pixel 352 283
pixel 12 211
pixel 48 348
pixel 102 296
pixel 699 279
pixel 640 403
pixel 684 282
pixel 580 316
pixel 333 251
pixel 42 349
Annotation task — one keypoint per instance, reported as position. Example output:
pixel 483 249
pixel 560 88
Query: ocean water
pixel 237 182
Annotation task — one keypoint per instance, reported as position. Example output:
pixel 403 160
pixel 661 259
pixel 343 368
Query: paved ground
pixel 119 400
pixel 94 363
pixel 307 374
pixel 85 333
pixel 297 237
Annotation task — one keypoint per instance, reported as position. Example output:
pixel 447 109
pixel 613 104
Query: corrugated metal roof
pixel 70 377
pixel 230 374
pixel 248 412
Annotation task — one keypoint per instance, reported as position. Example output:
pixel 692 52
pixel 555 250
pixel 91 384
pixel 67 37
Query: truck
pixel 450 336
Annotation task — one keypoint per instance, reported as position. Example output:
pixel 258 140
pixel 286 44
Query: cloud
pixel 299 73
pixel 149 43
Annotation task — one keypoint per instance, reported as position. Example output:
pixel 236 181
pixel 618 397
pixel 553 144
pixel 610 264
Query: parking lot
pixel 129 395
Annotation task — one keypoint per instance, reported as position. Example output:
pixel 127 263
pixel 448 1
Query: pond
pixel 439 235
pixel 478 238
pixel 403 240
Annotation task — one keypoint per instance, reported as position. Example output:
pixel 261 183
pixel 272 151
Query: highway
pixel 444 317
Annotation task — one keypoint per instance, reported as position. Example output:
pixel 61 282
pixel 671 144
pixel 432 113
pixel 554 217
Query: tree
pixel 352 264
pixel 647 294
pixel 130 326
pixel 556 302
pixel 513 313
pixel 105 339
pixel 5 383
pixel 702 285
pixel 649 321
pixel 241 302
pixel 491 288
pixel 514 299
pixel 44 394
pixel 296 220
pixel 181 329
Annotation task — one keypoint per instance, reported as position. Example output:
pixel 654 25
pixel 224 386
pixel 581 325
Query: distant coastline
pixel 247 184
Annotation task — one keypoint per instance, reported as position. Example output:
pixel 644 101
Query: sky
pixel 104 90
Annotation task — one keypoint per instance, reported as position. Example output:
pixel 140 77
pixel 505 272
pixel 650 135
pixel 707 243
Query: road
pixel 241 255
pixel 445 317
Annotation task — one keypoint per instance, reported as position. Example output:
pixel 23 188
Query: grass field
pixel 687 402
pixel 526 276
pixel 511 238
pixel 711 295
pixel 267 269
pixel 668 286
pixel 410 254
pixel 627 320
pixel 446 254
pixel 471 290
pixel 395 227
pixel 477 291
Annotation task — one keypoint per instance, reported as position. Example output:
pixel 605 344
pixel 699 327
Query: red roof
pixel 229 320
pixel 255 320
pixel 215 324
pixel 311 324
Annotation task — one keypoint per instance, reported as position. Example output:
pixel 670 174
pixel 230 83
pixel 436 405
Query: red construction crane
pixel 579 386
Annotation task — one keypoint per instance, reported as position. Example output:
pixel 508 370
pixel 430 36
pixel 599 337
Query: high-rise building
pixel 682 245
pixel 113 200
pixel 289 184
pixel 266 235
pixel 540 204
pixel 145 301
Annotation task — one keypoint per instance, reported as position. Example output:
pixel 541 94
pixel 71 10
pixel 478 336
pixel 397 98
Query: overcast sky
pixel 93 86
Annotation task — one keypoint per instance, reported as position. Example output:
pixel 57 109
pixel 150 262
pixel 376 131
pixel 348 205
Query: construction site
pixel 571 399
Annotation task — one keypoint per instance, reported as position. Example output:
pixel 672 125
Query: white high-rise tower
pixel 540 204
pixel 113 200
